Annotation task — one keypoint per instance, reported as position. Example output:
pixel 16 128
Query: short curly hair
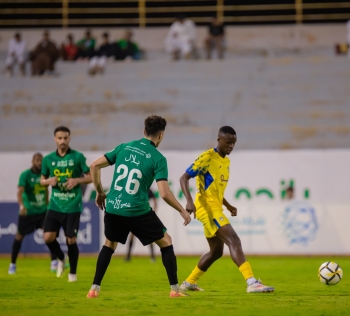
pixel 154 125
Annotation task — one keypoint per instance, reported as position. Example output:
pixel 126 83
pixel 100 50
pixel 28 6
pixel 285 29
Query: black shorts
pixel 147 227
pixel 30 223
pixel 68 221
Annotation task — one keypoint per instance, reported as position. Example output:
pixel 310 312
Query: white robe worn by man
pixel 181 38
pixel 16 53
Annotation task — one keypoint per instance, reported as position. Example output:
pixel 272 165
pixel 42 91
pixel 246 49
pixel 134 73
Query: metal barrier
pixel 64 13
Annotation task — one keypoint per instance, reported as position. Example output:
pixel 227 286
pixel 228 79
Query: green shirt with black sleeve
pixel 34 195
pixel 71 165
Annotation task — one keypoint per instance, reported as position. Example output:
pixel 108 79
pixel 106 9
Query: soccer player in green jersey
pixel 33 200
pixel 137 164
pixel 62 169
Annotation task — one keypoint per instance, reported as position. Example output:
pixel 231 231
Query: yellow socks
pixel 195 275
pixel 246 270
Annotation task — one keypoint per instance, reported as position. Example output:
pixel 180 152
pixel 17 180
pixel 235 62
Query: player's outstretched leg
pixel 170 265
pixel 216 250
pixel 16 247
pixel 54 246
pixel 104 258
pixel 228 235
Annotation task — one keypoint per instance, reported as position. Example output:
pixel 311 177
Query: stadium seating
pixel 277 99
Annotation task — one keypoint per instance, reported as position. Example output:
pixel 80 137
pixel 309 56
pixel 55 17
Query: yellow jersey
pixel 212 175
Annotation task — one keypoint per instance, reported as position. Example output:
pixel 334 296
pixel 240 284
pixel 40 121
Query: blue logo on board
pixel 300 223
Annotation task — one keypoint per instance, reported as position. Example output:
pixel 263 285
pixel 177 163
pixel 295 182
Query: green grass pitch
pixel 141 288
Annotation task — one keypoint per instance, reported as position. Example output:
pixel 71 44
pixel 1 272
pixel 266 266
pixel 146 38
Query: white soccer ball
pixel 330 273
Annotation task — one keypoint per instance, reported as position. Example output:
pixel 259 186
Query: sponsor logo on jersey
pixel 222 178
pixel 62 163
pixel 148 156
pixel 70 162
pixel 132 159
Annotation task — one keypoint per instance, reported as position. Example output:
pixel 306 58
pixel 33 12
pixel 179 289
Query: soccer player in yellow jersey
pixel 212 172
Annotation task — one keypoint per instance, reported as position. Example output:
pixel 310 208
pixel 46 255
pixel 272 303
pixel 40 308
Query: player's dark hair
pixel 227 130
pixel 37 154
pixel 61 129
pixel 154 124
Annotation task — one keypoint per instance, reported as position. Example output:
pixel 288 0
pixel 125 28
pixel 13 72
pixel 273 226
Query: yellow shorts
pixel 211 219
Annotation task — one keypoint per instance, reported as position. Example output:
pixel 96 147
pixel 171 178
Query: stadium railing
pixel 68 13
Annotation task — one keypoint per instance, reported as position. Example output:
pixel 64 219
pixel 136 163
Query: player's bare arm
pixel 72 182
pixel 22 208
pixel 44 181
pixel 169 198
pixel 95 171
pixel 185 187
pixel 230 208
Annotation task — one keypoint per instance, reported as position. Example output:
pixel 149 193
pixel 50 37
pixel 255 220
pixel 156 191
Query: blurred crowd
pixel 45 54
pixel 180 43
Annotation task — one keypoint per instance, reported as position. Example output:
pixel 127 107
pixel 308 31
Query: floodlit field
pixel 140 288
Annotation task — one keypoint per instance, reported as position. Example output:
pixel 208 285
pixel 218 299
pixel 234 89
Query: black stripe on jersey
pixel 110 163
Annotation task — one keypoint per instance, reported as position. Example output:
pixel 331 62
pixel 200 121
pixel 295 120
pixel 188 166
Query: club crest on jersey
pixel 70 162
pixel 221 218
pixel 148 156
pixel 132 159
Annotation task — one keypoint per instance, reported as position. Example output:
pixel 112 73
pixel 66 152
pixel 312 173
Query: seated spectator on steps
pixel 86 46
pixel 16 54
pixel 180 41
pixel 69 50
pixel 215 38
pixel 125 47
pixel 44 56
pixel 98 62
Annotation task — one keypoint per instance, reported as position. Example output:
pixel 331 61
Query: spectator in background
pixel 44 56
pixel 215 38
pixel 98 62
pixel 180 41
pixel 86 46
pixel 69 50
pixel 16 54
pixel 289 193
pixel 125 47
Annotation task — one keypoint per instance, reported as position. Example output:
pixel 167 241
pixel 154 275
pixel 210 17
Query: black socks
pixel 16 246
pixel 169 262
pixel 56 249
pixel 103 261
pixel 73 254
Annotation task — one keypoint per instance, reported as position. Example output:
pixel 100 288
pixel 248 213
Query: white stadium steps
pixel 281 102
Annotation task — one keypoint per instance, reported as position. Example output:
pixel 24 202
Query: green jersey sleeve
pixel 161 170
pixel 22 179
pixel 111 156
pixel 45 171
pixel 82 162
